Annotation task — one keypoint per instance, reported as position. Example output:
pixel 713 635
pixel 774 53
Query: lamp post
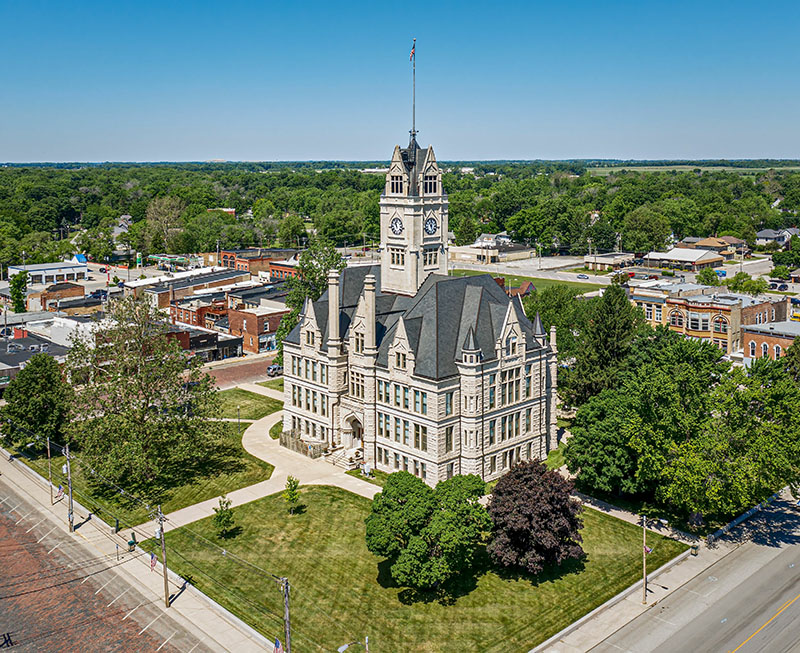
pixel 238 420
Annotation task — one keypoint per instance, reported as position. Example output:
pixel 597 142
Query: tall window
pixel 397 256
pixel 309 338
pixel 511 345
pixel 396 184
pixel 777 351
pixel 429 184
pixel 400 360
pixel 676 319
pixel 359 343
pixel 752 349
pixel 720 324
pixel 357 385
pixel 491 432
pixel 764 349
pixel 448 403
pixel 448 439
pixel 430 256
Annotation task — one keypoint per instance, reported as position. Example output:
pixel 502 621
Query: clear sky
pixel 270 80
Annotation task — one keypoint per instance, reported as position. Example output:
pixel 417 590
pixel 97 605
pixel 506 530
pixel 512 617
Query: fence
pixel 294 442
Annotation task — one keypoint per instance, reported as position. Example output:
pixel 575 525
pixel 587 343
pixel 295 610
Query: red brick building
pixel 253 260
pixel 279 270
pixel 768 340
pixel 195 311
pixel 257 326
pixel 47 299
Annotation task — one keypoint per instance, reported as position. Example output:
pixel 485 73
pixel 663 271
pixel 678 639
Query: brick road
pixel 54 596
pixel 240 371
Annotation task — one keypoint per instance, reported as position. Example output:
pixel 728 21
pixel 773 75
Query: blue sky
pixel 147 81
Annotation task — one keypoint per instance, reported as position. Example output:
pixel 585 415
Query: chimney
pixel 369 297
pixel 333 312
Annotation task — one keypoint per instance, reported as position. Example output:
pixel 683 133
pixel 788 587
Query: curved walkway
pixel 257 441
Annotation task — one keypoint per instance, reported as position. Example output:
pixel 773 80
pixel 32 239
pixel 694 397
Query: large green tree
pixel 37 402
pixel 429 535
pixel 18 286
pixel 144 414
pixel 607 337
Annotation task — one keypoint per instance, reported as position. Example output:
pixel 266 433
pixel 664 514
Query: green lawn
pixel 234 468
pixel 555 459
pixel 341 592
pixel 252 405
pixel 514 281
pixel 275 430
pixel 594 273
pixel 378 477
pixel 275 384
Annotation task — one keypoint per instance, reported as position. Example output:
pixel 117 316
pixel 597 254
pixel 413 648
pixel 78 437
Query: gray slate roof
pixel 438 319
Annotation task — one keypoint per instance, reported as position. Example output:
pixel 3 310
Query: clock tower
pixel 413 220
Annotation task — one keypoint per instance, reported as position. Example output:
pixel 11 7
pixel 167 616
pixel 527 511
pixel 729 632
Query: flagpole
pixel 414 89
pixel 644 559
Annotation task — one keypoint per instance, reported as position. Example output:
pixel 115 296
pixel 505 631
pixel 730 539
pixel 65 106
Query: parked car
pixel 783 286
pixel 102 270
pixel 773 286
pixel 583 276
pixel 653 276
pixel 274 370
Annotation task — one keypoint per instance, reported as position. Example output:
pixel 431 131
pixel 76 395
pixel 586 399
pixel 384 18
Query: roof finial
pixel 413 58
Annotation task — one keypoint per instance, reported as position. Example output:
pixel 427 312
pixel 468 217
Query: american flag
pixel 278 648
pixel 60 492
pixel 152 561
pixel 413 48
pixel 647 549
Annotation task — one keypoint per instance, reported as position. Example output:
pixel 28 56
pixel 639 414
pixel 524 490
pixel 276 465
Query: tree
pixel 607 339
pixel 291 493
pixel 743 282
pixel 560 306
pixel 223 520
pixel 291 230
pixel 780 272
pixel 37 401
pixel 18 285
pixel 645 229
pixel 535 521
pixel 311 281
pixel 429 535
pixel 144 415
pixel 707 277
pixel 163 220
pixel 467 230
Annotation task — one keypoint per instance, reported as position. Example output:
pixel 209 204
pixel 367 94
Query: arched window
pixel 777 351
pixel 676 319
pixel 720 324
pixel 764 350
pixel 752 349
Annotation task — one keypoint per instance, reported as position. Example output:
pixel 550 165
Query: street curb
pixel 228 616
pixel 611 602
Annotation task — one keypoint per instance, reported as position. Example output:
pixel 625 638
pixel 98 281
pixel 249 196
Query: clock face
pixel 431 226
pixel 396 226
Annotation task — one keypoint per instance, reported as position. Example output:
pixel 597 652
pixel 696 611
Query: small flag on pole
pixel 278 648
pixel 413 48
pixel 60 492
pixel 152 561
pixel 647 549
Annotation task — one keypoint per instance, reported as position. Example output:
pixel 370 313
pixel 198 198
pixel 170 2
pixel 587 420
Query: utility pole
pixel 644 559
pixel 286 623
pixel 217 252
pixel 163 554
pixel 69 487
pixel 49 471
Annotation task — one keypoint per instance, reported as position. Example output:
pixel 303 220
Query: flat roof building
pixel 41 273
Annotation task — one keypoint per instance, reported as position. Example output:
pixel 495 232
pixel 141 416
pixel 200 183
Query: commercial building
pixel 163 294
pixel 16 351
pixel 612 261
pixel 283 269
pixel 252 259
pixel 705 312
pixel 404 368
pixel 680 258
pixel 768 340
pixel 51 297
pixel 41 273
pixel 257 326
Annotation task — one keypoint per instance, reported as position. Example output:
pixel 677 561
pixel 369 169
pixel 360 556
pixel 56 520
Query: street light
pixel 645 551
pixel 238 421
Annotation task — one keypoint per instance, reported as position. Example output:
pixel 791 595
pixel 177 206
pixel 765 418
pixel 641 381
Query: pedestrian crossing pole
pixel 161 521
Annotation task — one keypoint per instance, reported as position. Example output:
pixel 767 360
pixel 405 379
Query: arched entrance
pixel 353 433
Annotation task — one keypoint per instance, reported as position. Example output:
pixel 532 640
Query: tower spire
pixel 413 58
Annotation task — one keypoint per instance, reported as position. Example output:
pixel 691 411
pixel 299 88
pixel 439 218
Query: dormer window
pixel 359 343
pixel 430 184
pixel 396 184
pixel 310 338
pixel 511 346
pixel 400 360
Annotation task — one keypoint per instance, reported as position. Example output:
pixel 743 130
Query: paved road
pixel 747 602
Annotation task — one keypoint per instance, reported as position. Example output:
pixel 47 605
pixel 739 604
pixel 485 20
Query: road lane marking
pixel 131 612
pixel 664 620
pixel 200 641
pixel 46 534
pixel 119 597
pixel 55 547
pixel 25 516
pixel 106 583
pixel 165 642
pixel 152 622
pixel 783 607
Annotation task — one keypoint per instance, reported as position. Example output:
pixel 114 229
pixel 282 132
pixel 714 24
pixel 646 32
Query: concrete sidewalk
pixel 261 390
pixel 257 441
pixel 212 624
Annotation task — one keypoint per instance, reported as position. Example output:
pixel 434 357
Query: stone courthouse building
pixel 404 368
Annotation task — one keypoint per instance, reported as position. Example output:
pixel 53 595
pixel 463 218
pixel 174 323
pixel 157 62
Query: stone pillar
pixel 334 340
pixel 369 300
